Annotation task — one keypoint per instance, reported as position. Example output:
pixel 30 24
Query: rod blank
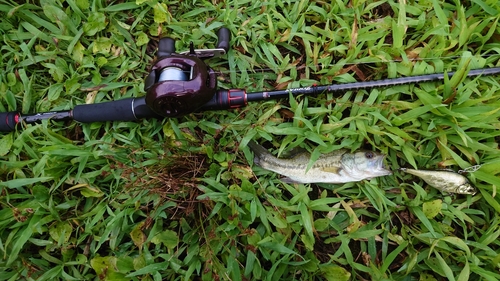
pixel 132 109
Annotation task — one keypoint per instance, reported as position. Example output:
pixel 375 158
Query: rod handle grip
pixel 129 109
pixel 8 121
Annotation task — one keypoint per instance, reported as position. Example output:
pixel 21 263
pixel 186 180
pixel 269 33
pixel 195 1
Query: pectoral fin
pixel 333 170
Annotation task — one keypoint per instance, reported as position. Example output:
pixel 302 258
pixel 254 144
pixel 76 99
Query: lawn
pixel 179 198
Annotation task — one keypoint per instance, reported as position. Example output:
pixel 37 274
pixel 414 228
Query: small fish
pixel 334 167
pixel 445 180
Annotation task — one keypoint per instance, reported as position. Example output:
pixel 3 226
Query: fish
pixel 338 166
pixel 447 181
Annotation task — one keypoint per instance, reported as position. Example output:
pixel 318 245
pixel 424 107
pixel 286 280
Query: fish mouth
pixel 382 167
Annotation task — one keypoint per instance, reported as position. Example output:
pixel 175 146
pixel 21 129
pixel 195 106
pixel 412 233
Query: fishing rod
pixel 182 83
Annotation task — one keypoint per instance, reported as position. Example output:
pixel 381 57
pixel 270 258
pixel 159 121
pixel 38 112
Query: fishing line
pixel 471 169
pixel 321 66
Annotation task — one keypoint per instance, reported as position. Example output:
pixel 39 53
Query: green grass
pixel 178 199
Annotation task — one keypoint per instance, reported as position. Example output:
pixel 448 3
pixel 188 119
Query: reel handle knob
pixel 223 38
pixel 166 47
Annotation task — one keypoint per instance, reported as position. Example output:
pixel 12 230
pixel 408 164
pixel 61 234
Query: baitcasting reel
pixel 182 83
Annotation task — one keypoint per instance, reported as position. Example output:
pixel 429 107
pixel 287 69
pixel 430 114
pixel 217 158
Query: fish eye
pixel 369 155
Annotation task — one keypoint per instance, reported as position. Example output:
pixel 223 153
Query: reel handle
pixel 223 38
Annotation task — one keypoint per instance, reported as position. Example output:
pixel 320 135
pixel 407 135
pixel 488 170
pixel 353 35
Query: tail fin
pixel 258 150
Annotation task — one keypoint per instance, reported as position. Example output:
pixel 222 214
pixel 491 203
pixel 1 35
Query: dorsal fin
pixel 292 153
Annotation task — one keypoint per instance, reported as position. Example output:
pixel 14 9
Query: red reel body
pixel 183 84
pixel 179 84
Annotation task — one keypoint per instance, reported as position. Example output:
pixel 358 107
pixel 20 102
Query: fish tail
pixel 260 153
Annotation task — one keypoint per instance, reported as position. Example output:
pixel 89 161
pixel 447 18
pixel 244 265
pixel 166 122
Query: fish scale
pixel 335 167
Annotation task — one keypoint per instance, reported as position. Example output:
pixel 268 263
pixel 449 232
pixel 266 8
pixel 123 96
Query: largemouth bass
pixel 335 167
pixel 444 180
